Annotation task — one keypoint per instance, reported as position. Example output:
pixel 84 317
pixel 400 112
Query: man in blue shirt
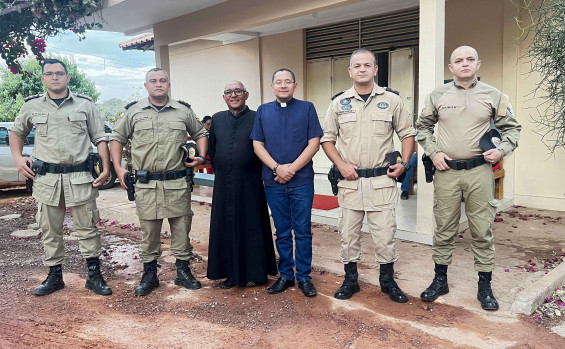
pixel 286 136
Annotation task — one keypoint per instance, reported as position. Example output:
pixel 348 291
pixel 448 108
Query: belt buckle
pixel 460 164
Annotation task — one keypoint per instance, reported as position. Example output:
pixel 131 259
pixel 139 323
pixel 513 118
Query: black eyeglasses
pixel 237 91
pixel 58 73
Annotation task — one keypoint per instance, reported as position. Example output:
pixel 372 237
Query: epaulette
pixel 129 105
pixel 392 90
pixel 84 96
pixel 184 103
pixel 337 94
pixel 29 98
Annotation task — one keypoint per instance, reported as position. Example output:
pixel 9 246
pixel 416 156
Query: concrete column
pixel 431 68
pixel 162 59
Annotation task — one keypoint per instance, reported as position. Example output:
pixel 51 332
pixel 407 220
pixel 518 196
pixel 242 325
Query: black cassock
pixel 241 243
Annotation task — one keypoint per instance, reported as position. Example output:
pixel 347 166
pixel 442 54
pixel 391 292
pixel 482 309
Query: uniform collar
pixel 352 93
pixel 470 86
pixel 70 95
pixel 146 103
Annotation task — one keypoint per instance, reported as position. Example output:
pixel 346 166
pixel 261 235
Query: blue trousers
pixel 291 209
pixel 405 186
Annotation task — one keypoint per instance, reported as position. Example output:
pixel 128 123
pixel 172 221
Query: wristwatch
pixel 275 169
pixel 204 161
pixel 406 165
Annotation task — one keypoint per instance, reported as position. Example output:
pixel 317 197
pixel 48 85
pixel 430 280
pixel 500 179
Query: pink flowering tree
pixel 24 25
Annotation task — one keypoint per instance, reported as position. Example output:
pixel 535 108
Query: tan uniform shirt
pixel 363 134
pixel 156 137
pixel 463 117
pixel 63 135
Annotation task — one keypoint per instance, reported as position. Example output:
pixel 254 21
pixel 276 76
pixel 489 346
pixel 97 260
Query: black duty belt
pixel 371 172
pixel 466 164
pixel 165 176
pixel 53 168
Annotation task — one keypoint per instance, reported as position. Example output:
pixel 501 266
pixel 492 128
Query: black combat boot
pixel 54 282
pixel 95 281
pixel 439 285
pixel 350 284
pixel 484 294
pixel 389 286
pixel 185 277
pixel 149 279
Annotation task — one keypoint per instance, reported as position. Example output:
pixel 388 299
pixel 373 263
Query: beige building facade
pixel 205 44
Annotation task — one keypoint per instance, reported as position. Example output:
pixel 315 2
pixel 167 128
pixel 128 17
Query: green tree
pixel 14 88
pixel 25 24
pixel 545 25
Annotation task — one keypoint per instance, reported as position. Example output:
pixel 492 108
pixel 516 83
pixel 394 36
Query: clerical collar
pixel 242 111
pixel 283 104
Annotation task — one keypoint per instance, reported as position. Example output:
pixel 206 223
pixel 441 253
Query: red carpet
pixel 325 202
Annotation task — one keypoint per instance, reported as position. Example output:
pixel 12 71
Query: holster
pixel 129 179
pixel 29 182
pixel 334 176
pixel 429 168
pixel 38 167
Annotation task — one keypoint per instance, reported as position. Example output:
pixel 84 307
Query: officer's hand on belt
pixel 348 171
pixel 121 172
pixel 493 156
pixel 439 161
pixel 23 168
pixel 394 171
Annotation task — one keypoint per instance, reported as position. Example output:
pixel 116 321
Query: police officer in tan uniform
pixel 157 127
pixel 65 124
pixel 463 110
pixel 361 121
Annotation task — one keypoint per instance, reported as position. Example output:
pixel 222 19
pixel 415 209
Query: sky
pixel 116 73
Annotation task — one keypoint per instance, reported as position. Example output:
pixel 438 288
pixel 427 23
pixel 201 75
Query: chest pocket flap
pixel 39 120
pixel 382 115
pixel 77 117
pixel 143 125
pixel 349 117
pixel 177 125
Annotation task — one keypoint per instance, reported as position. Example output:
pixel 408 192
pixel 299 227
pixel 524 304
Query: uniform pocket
pixel 381 122
pixel 176 192
pixel 385 191
pixel 78 122
pixel 40 123
pixel 178 132
pixel 143 132
pixel 145 193
pixel 347 125
pixel 44 187
pixel 81 187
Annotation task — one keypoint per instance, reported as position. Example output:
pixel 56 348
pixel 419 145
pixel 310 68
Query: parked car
pixel 9 174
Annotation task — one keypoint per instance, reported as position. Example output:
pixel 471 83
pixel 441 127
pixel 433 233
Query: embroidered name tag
pixel 39 114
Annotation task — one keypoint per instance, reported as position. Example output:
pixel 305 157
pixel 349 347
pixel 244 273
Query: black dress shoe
pixel 307 287
pixel 281 285
pixel 250 284
pixel 404 195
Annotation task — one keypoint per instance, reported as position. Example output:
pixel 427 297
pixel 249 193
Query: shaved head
pixel 235 84
pixel 463 50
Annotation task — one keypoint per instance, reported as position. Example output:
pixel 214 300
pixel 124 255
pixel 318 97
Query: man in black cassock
pixel 241 244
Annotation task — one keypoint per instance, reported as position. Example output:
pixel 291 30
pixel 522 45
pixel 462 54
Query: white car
pixel 9 174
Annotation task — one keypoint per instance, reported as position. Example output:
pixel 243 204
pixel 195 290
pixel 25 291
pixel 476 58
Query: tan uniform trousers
pixel 50 220
pixel 382 226
pixel 180 241
pixel 477 188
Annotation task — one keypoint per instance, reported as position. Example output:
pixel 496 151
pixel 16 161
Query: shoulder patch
pixel 129 105
pixel 84 96
pixel 184 103
pixel 337 94
pixel 29 98
pixel 392 90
